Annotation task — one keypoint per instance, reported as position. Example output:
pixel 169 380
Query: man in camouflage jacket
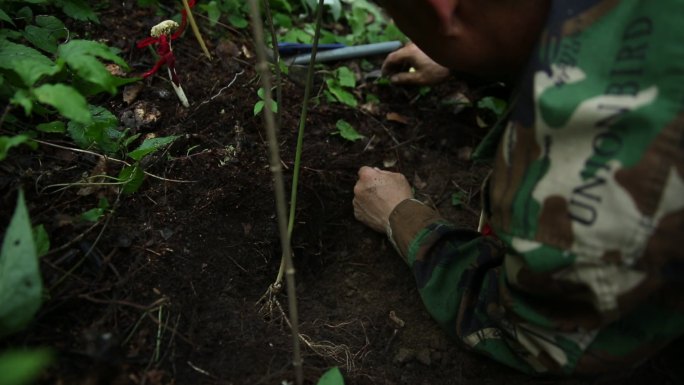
pixel 584 273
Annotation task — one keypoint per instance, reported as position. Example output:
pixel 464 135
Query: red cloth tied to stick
pixel 163 47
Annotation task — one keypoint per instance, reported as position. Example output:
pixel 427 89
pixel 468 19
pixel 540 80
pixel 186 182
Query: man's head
pixel 490 38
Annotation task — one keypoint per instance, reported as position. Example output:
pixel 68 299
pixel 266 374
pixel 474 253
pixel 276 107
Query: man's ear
pixel 446 11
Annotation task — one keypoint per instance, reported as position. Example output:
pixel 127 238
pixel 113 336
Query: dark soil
pixel 166 288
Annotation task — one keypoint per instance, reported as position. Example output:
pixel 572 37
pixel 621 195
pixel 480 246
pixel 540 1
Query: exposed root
pixel 339 353
pixel 268 300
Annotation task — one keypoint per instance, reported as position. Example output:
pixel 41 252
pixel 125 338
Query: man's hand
pixel 426 72
pixel 376 194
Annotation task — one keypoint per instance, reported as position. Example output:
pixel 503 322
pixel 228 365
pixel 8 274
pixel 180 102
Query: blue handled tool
pixel 333 52
pixel 290 49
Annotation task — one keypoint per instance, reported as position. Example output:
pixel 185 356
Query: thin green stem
pixel 279 185
pixel 195 29
pixel 276 60
pixel 300 133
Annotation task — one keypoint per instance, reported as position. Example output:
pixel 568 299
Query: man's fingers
pixel 406 78
pixel 397 61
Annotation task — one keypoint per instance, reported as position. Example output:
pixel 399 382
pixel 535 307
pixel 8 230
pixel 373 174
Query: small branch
pixel 105 157
pixel 195 30
pixel 221 90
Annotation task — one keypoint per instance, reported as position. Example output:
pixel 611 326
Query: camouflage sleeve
pixel 512 309
pixel 457 274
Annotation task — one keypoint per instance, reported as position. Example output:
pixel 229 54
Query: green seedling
pixel 258 106
pixel 340 83
pixel 347 131
pixel 95 214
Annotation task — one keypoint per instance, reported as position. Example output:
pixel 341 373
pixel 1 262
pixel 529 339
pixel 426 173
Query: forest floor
pixel 168 291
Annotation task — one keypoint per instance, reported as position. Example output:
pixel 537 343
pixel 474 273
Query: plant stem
pixel 276 59
pixel 279 185
pixel 300 134
pixel 195 30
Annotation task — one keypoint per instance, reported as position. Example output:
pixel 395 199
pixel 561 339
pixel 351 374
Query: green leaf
pixel 41 239
pixel 5 17
pixel 261 93
pixel 22 367
pixel 46 34
pixel 258 106
pixel 341 94
pixel 149 146
pixel 493 104
pixel 78 9
pixel 346 77
pixel 331 377
pixel 23 98
pixel 82 57
pixel 457 198
pixel 56 126
pixel 69 102
pixel 347 131
pixel 132 177
pixel 93 215
pixel 26 62
pixel 237 21
pixel 102 131
pixel 213 12
pixel 7 142
pixel 283 21
pixel 20 283
pixel 274 106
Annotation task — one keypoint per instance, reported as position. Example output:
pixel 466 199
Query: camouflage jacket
pixel 586 198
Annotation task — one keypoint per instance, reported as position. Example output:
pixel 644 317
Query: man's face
pixel 490 38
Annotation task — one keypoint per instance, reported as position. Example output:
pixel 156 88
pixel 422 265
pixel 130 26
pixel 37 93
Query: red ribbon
pixel 164 47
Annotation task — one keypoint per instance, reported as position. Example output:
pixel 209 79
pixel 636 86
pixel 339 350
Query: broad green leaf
pixel 493 104
pixel 283 21
pixel 132 177
pixel 7 142
pixel 56 126
pixel 69 102
pixel 149 146
pixel 331 377
pixel 335 8
pixel 102 131
pixel 260 92
pixel 82 57
pixel 342 95
pixel 46 34
pixel 237 21
pixel 25 14
pixel 213 12
pixel 346 77
pixel 23 367
pixel 41 239
pixel 20 282
pixel 26 62
pixel 78 9
pixel 5 17
pixel 347 131
pixel 258 106
pixel 23 98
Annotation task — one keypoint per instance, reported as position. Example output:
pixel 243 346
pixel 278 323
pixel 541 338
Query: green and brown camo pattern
pixel 586 199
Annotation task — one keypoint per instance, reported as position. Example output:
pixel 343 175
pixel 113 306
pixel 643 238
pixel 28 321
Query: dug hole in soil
pixel 169 289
